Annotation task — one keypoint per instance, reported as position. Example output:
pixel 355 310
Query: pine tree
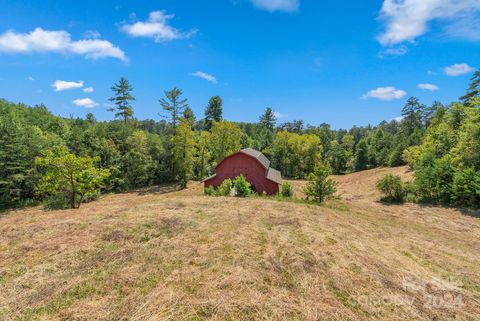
pixel 412 115
pixel 268 119
pixel 361 155
pixel 473 89
pixel 189 116
pixel 123 97
pixel 174 105
pixel 213 112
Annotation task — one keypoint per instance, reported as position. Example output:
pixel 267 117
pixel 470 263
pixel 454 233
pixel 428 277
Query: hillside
pixel 163 254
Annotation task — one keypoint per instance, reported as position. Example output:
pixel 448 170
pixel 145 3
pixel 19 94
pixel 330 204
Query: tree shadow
pixel 159 189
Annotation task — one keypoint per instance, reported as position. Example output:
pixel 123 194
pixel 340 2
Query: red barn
pixel 253 165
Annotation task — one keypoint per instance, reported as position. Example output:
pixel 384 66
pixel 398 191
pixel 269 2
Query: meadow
pixel 163 253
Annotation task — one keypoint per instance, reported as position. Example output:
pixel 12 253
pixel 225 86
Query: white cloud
pixel 60 41
pixel 156 27
pixel 408 19
pixel 458 70
pixel 92 34
pixel 61 85
pixel 394 51
pixel 277 5
pixel 428 87
pixel 278 115
pixel 385 93
pixel 203 75
pixel 88 90
pixel 398 119
pixel 30 78
pixel 85 102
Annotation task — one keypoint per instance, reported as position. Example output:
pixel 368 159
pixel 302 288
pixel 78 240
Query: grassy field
pixel 163 254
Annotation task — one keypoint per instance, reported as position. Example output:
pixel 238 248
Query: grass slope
pixel 153 255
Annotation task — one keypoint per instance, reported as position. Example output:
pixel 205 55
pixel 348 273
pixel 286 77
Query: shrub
pixel 391 187
pixel 466 187
pixel 242 187
pixel 210 191
pixel 320 187
pixel 226 188
pixel 287 190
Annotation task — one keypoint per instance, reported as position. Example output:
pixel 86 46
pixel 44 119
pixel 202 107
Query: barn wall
pixel 254 172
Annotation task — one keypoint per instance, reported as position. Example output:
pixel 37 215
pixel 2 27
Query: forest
pixel 63 162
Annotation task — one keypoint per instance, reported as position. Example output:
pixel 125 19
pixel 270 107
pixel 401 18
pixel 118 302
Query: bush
pixel 391 187
pixel 226 188
pixel 320 187
pixel 287 190
pixel 210 191
pixel 242 187
pixel 466 187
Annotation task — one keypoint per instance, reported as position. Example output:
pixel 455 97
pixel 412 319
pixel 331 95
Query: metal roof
pixel 258 155
pixel 274 175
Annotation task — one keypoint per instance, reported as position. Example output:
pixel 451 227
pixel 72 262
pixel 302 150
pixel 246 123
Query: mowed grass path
pixel 162 254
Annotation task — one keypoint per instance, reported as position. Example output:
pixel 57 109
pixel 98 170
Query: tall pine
pixel 122 98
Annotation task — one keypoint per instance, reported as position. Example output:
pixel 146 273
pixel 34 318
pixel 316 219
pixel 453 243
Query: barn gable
pixel 253 165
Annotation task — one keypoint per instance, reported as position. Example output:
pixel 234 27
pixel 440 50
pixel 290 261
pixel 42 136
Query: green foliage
pixel 210 191
pixel 391 187
pixel 174 106
pixel 123 97
pixel 203 154
pixel 226 188
pixel 268 119
pixel 466 187
pixel 213 112
pixel 296 155
pixel 183 152
pixel 287 190
pixel 242 187
pixel 320 187
pixel 473 90
pixel 225 140
pixel 71 178
pixel 361 156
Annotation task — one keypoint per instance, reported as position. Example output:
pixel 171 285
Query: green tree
pixel 74 178
pixel 123 97
pixel 268 119
pixel 183 152
pixel 225 140
pixel 391 187
pixel 174 106
pixel 473 90
pixel 136 162
pixel 361 155
pixel 213 112
pixel 203 154
pixel 412 115
pixel 189 116
pixel 320 186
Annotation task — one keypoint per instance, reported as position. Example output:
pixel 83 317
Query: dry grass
pixel 183 256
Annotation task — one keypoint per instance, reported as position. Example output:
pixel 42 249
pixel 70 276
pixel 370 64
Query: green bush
pixel 466 187
pixel 210 191
pixel 320 187
pixel 242 187
pixel 226 188
pixel 391 187
pixel 287 190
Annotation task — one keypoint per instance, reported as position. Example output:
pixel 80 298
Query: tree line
pixel 66 161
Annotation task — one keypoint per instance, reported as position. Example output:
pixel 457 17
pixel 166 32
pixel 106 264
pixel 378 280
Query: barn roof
pixel 258 155
pixel 274 175
pixel 270 173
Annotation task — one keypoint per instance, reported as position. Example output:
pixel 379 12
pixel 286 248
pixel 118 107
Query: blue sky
pixel 343 62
